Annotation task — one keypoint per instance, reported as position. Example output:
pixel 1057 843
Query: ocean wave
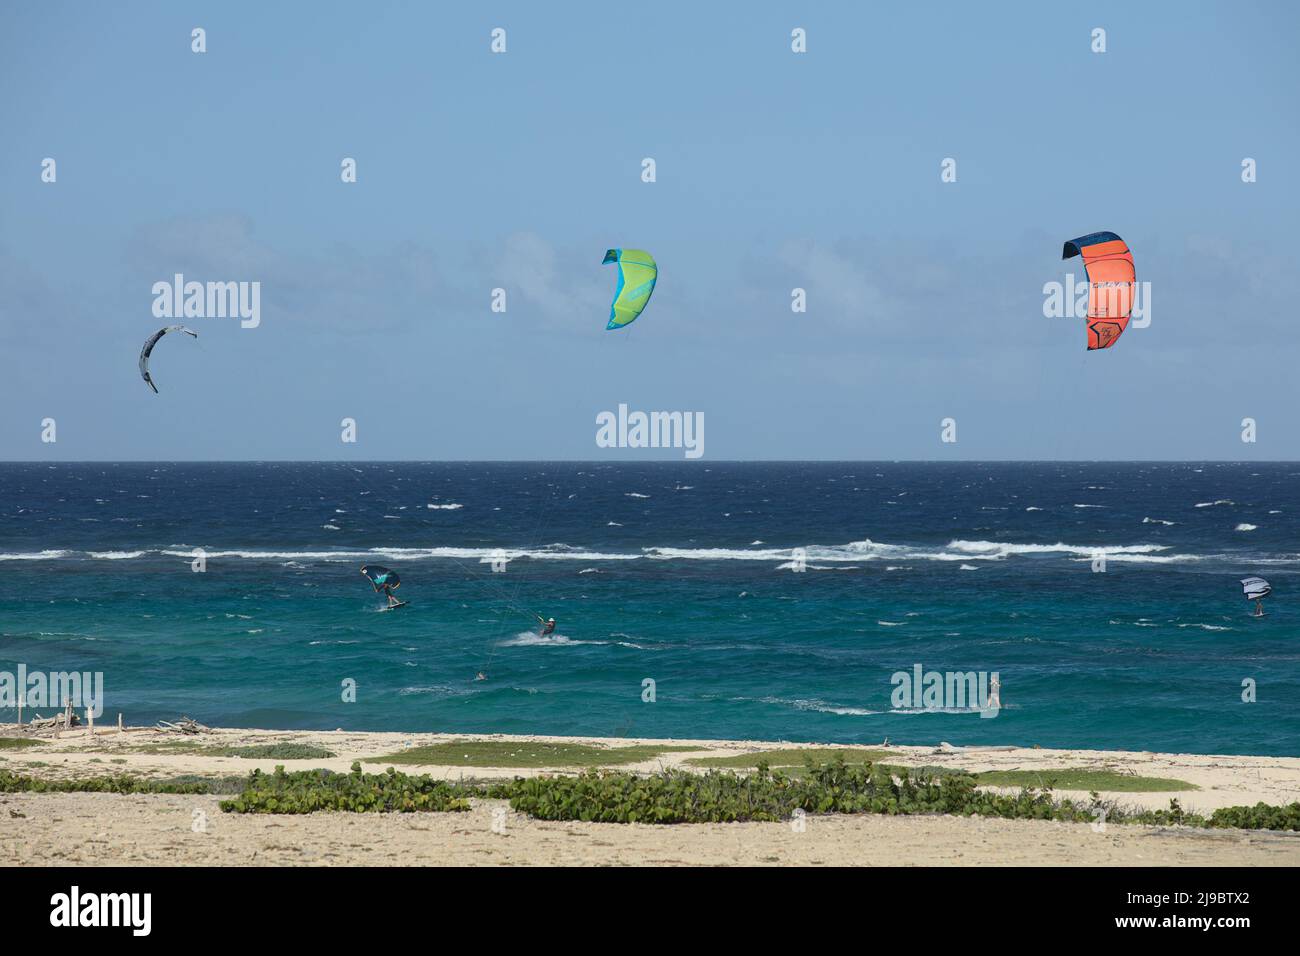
pixel 813 704
pixel 1003 549
pixel 1211 504
pixel 820 557
pixel 1247 527
pixel 447 507
pixel 436 690
pixel 1158 521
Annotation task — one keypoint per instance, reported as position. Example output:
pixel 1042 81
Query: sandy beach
pixel 101 828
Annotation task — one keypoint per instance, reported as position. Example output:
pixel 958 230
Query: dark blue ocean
pixel 681 573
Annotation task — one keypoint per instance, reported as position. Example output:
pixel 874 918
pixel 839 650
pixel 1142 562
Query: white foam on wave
pixel 533 639
pixel 447 507
pixel 1247 527
pixel 1150 558
pixel 814 704
pixel 1158 521
pixel 1004 549
pixel 821 557
pixel 436 690
pixel 1211 504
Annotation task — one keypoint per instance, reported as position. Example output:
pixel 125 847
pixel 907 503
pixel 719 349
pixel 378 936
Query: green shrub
pixel 306 791
pixel 123 783
pixel 1259 817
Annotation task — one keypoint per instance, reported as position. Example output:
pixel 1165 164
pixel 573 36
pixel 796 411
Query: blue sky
pixel 774 171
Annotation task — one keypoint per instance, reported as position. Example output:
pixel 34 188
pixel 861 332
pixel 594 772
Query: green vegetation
pixel 275 752
pixel 172 747
pixel 306 791
pixel 1259 817
pixel 280 751
pixel 1081 779
pixel 793 760
pixel 513 753
pixel 789 758
pixel 123 783
pixel 767 795
pixel 18 743
pixel 680 797
pixel 212 785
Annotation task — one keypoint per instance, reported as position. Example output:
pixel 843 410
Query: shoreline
pixel 157 829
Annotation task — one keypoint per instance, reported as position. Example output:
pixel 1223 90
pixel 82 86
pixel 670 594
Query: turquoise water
pixel 676 573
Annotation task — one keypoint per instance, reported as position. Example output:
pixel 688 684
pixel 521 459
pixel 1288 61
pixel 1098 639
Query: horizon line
pixel 697 462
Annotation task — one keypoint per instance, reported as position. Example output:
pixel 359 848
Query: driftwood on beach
pixel 38 725
pixel 186 725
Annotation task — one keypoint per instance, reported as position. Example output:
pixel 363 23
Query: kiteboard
pixel 394 607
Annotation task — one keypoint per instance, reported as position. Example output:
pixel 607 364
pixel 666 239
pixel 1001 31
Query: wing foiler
pixel 1108 267
pixel 1256 589
pixel 148 350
